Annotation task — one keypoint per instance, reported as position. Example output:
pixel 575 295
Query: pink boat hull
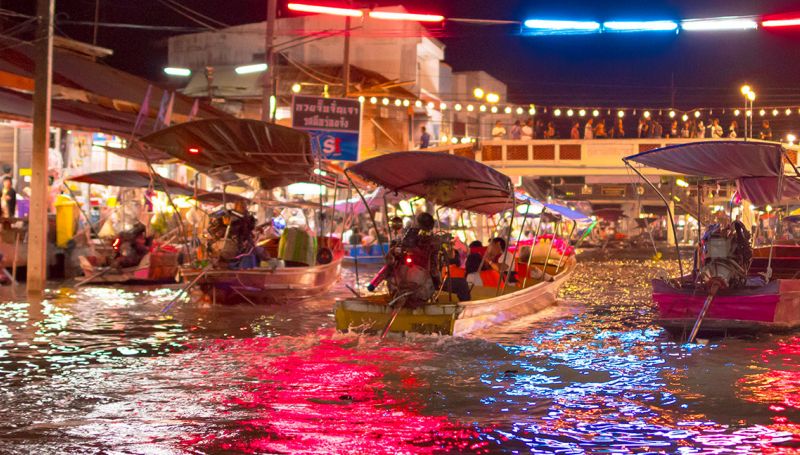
pixel 772 307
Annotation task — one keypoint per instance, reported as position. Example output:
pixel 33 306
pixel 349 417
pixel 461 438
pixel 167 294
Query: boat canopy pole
pixel 550 250
pixel 519 237
pixel 508 238
pixel 669 213
pixel 533 246
pixel 369 211
pixel 572 231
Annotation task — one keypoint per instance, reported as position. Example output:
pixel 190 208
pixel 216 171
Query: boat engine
pixel 726 255
pixel 413 264
pixel 230 234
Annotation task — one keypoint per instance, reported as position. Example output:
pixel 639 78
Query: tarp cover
pixel 764 190
pixel 218 197
pixel 444 179
pixel 133 179
pixel 716 159
pixel 564 212
pixel 275 154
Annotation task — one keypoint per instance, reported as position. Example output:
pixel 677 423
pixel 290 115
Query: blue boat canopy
pixel 564 212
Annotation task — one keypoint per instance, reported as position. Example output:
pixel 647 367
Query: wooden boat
pixel 480 189
pixel 760 300
pixel 265 284
pixel 157 267
pixel 448 316
pixel 275 156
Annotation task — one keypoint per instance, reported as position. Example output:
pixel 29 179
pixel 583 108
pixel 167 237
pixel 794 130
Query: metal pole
pixel 96 21
pixel 37 230
pixel 516 249
pixel 533 245
pixel 269 55
pixel 669 214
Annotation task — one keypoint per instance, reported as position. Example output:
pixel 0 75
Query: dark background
pixel 621 70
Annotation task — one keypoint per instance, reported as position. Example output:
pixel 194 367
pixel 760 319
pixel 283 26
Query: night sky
pixel 632 70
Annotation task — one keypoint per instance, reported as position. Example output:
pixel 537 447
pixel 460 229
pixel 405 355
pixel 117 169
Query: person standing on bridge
pixel 588 130
pixel 424 138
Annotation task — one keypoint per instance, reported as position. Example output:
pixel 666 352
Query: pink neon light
pixel 388 15
pixel 781 22
pixel 325 10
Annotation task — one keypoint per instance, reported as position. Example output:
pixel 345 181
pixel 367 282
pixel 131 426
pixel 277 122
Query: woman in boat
pixel 455 278
pixel 478 275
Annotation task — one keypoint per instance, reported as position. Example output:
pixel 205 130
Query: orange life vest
pixel 453 271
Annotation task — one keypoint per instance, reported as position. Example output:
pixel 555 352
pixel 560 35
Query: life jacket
pixel 490 278
pixel 453 271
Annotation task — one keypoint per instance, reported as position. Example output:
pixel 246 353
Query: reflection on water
pixel 101 370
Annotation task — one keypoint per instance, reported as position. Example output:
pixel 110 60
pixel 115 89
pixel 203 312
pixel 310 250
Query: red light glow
pixel 194 150
pixel 791 22
pixel 325 10
pixel 409 261
pixel 388 15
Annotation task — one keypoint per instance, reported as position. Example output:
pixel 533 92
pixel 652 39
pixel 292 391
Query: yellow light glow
pixel 398 103
pixel 492 98
pixel 685 117
pixel 751 96
pixel 646 114
pixel 595 113
pixel 570 112
pixel 682 183
pixel 457 107
pixel 520 111
pixel 470 108
pixel 296 88
pixel 373 100
pixel 493 109
pixel 774 112
pixel 532 111
pixel 406 103
pixel 745 89
pixel 507 110
pixel 442 106
pixel 557 112
pixel 762 112
pixel 361 99
pixel 478 93
pixel 671 114
pixel 418 103
pixel 737 112
pixel 696 114
pixel 620 114
pixel 582 112
pixel 483 108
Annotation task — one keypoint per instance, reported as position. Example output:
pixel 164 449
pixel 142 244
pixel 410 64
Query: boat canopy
pixel 563 211
pixel 218 197
pixel 444 179
pixel 764 190
pixel 716 159
pixel 274 154
pixel 133 179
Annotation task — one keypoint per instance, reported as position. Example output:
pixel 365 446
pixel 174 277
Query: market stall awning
pixel 134 179
pixel 716 159
pixel 274 154
pixel 444 179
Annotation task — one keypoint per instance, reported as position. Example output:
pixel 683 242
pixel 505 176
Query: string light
pixel 296 87
pixel 442 106
pixel 788 111
pixel 418 103
pixel 671 114
pixel 494 109
pixel 457 107
pixel 507 110
pixel 373 100
pixel 620 114
pixel 406 103
pixel 646 114
pixel 361 99
pixel 483 108
pixel 385 101
pixel 470 108
pixel 582 112
pixel 431 105
pixel 557 112
pixel 749 113
pixel 570 112
pixel 520 111
pixel 532 111
pixel 774 112
pixel 398 103
pixel 685 117
pixel 696 114
pixel 595 113
pixel 737 112
pixel 762 112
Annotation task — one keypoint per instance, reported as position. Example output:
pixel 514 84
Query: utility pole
pixel 346 56
pixel 96 21
pixel 37 219
pixel 269 54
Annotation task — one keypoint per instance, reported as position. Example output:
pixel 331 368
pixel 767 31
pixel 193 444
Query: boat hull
pixel 773 307
pixel 264 285
pixel 371 314
pixel 163 271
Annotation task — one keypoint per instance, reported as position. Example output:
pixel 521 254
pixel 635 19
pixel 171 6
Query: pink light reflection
pixel 328 397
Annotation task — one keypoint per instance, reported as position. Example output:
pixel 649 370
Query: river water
pixel 100 370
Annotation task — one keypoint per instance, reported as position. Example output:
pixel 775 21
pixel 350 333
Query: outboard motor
pixel 726 256
pixel 413 264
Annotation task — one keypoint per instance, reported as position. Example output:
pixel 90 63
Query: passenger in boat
pixel 355 237
pixel 131 246
pixel 498 260
pixel 455 280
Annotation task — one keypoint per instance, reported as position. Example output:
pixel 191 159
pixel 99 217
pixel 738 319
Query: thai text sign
pixel 333 123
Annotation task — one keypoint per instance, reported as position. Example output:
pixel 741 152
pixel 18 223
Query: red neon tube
pixel 792 22
pixel 388 15
pixel 325 10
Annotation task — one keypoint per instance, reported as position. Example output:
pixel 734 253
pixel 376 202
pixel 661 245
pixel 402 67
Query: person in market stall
pixel 575 132
pixel 766 132
pixel 516 131
pixel 499 131
pixel 716 129
pixel 424 138
pixel 9 199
